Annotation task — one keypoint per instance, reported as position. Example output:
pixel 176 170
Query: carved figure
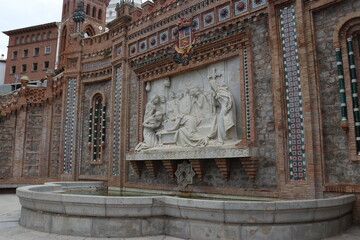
pixel 224 106
pixel 162 104
pixel 186 132
pixel 199 103
pixel 185 103
pixel 151 124
pixel 152 106
pixel 190 117
pixel 171 107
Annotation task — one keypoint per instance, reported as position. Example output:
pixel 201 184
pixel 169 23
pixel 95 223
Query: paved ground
pixel 11 230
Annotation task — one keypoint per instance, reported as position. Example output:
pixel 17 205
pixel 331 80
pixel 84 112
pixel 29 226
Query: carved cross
pixel 214 75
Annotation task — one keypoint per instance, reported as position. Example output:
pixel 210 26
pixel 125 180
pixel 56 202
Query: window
pixel 17 40
pixel 33 38
pixel 35 67
pixel 28 38
pixel 22 40
pixel 38 37
pixel 88 9
pixel 48 49
pixel 97 122
pixel 50 35
pixel 100 14
pixel 347 47
pixel 36 51
pixel 14 55
pixel 25 53
pixel 44 36
pixel 94 12
pixel 46 64
pixel 23 68
pixel 13 70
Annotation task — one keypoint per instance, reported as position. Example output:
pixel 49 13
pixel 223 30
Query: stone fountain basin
pixel 44 209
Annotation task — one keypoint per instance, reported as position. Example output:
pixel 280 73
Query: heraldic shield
pixel 184 42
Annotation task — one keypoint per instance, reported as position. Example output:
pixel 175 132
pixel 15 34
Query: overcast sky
pixel 16 14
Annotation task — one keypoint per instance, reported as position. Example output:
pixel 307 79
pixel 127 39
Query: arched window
pixel 49 35
pixel 94 12
pixel 97 122
pixel 33 38
pixel 44 36
pixel 100 14
pixel 22 41
pixel 88 9
pixel 89 31
pixel 17 40
pixel 347 48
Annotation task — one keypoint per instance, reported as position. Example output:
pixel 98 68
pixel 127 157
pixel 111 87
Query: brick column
pixel 19 143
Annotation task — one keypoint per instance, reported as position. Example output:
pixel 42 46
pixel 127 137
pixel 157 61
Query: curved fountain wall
pixel 97 216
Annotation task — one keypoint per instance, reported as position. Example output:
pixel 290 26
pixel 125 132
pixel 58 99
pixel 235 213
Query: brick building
pixel 289 67
pixel 31 51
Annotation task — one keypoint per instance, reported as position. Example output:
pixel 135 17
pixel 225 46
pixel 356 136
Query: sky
pixel 16 14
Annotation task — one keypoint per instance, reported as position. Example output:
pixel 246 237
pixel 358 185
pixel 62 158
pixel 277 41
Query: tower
pixel 94 13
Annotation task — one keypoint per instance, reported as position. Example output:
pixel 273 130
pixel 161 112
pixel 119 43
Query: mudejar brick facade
pixel 289 69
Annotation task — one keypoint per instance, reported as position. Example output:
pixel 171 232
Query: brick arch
pixel 344 28
pixel 89 30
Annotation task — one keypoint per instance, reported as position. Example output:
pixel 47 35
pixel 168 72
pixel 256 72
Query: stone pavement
pixel 11 230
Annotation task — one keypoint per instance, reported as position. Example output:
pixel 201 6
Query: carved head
pixel 179 95
pixel 195 91
pixel 155 100
pixel 171 95
pixel 158 115
pixel 162 98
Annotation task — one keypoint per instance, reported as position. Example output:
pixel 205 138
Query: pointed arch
pixel 89 31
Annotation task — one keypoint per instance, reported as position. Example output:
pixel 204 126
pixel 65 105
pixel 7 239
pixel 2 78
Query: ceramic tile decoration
pixel 224 13
pixel 241 6
pixel 69 125
pixel 117 121
pixel 293 94
pixel 208 19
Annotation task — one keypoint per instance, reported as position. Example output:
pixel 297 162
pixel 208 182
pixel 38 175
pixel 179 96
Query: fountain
pixel 44 208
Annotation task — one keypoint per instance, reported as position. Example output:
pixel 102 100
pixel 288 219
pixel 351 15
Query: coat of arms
pixel 184 42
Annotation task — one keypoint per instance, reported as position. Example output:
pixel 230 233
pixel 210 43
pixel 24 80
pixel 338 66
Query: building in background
pixel 31 51
pixel 110 11
pixel 2 68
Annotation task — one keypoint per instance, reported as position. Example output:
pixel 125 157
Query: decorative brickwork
pixel 33 141
pixel 69 133
pixel 96 65
pixel 7 144
pixel 293 94
pixel 55 139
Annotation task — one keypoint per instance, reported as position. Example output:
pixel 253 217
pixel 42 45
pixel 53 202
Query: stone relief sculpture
pixel 189 117
pixel 223 105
